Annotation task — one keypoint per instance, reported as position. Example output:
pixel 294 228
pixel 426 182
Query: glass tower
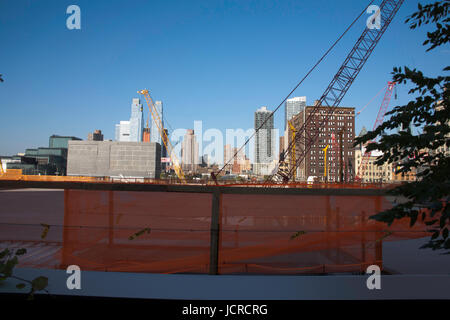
pixel 293 107
pixel 136 121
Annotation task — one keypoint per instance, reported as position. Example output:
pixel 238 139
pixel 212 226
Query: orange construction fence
pixel 210 232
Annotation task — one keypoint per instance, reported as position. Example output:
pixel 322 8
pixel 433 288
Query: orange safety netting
pixel 170 232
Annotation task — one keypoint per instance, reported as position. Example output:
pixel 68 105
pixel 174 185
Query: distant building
pixel 56 141
pixel 114 159
pixel 155 136
pixel 205 160
pixel 8 159
pixel 238 160
pixel 146 135
pixel 122 132
pixel 404 176
pixel 342 120
pixel 370 172
pixel 133 129
pixel 281 145
pixel 50 160
pixel 95 136
pixel 227 157
pixel 264 144
pixel 292 107
pixel 189 152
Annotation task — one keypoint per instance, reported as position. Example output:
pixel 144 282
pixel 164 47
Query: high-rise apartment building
pixel 131 130
pixel 341 124
pixel 189 152
pixel 264 141
pixel 292 107
pixel 136 121
pixel 227 157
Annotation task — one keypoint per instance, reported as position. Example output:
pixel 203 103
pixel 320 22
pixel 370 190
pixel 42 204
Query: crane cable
pixel 371 100
pixel 214 175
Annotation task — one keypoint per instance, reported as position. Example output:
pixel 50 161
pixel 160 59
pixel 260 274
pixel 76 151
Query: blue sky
pixel 215 61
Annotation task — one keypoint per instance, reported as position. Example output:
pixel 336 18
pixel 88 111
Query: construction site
pixel 310 216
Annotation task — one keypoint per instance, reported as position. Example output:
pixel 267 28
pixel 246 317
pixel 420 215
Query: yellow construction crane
pixel 165 139
pixel 292 160
pixel 325 173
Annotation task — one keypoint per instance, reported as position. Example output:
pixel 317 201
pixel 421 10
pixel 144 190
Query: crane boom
pixel 308 133
pixel 165 139
pixel 378 121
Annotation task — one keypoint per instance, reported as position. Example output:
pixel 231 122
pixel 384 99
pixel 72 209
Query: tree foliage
pixel 424 150
pixel 9 258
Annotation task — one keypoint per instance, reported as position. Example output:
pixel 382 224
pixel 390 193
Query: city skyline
pixel 76 80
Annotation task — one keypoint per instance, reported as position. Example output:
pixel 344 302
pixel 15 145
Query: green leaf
pixel 39 283
pixel 9 266
pixel 297 234
pixel 20 286
pixel 139 233
pixel 4 253
pixel 21 251
pixel 45 231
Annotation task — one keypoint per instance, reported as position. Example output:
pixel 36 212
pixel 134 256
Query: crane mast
pixel 308 133
pixel 165 139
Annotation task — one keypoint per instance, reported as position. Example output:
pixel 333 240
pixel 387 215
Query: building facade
pixel 95 136
pixel 136 121
pixel 114 159
pixel 227 157
pixel 122 132
pixel 51 160
pixel 370 172
pixel 189 152
pixel 341 124
pixel 264 142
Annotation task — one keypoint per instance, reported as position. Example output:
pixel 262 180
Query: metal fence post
pixel 215 233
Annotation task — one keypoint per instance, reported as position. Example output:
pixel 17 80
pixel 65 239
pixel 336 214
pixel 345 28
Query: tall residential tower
pixel 292 107
pixel 264 141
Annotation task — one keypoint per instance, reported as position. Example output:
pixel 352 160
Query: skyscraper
pixel 136 121
pixel 189 152
pixel 155 136
pixel 293 107
pixel 264 144
pixel 131 130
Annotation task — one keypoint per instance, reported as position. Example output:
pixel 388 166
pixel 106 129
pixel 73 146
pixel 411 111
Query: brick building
pixel 340 123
